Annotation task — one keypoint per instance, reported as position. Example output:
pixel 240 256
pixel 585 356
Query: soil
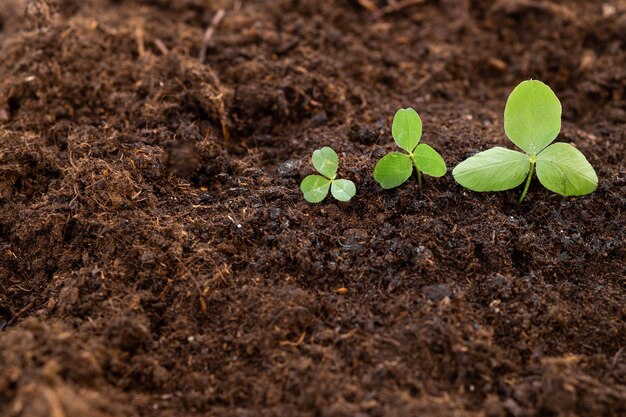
pixel 157 257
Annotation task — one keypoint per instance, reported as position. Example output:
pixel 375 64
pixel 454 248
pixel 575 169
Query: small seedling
pixel 315 187
pixel 396 167
pixel 532 120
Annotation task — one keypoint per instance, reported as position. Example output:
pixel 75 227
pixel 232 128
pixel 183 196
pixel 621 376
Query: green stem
pixel 530 175
pixel 419 172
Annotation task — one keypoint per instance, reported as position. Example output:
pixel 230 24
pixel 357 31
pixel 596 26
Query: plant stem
pixel 530 175
pixel 419 172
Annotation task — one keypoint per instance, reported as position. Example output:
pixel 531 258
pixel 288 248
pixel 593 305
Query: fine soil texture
pixel 158 259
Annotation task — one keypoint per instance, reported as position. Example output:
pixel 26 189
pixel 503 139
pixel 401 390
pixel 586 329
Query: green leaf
pixel 565 170
pixel 532 116
pixel 496 169
pixel 343 190
pixel 393 169
pixel 429 161
pixel 325 160
pixel 406 129
pixel 315 188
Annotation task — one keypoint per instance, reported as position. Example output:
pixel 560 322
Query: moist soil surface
pixel 157 257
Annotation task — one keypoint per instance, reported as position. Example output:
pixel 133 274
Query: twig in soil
pixel 202 300
pixel 56 405
pixel 293 344
pixel 19 313
pixel 221 109
pixel 616 356
pixel 139 38
pixel 514 6
pixel 208 34
pixel 159 44
pixel 425 80
pixel 349 334
pixel 368 4
pixel 396 7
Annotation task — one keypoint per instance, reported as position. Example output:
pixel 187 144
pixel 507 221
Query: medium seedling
pixel 315 187
pixel 532 120
pixel 396 167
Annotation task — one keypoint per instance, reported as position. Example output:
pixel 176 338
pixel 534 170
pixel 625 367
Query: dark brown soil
pixel 158 259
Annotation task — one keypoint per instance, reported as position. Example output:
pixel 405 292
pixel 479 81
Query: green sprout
pixel 315 187
pixel 396 167
pixel 532 120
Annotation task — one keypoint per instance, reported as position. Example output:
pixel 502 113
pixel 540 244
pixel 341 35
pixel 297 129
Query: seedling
pixel 315 187
pixel 532 120
pixel 396 167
